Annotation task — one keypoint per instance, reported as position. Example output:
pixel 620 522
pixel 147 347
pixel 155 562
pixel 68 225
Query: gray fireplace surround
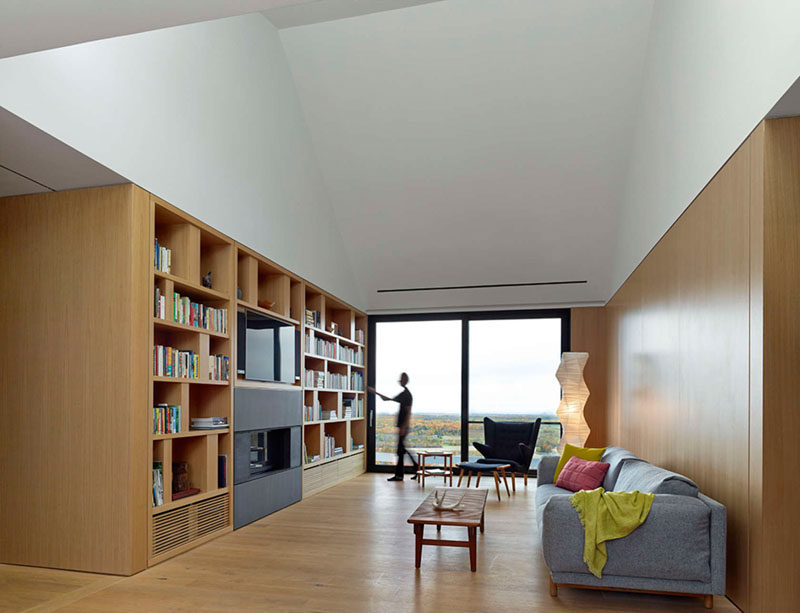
pixel 277 415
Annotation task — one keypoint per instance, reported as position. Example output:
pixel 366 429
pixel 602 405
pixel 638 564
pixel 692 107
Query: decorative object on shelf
pixel 207 280
pixel 573 399
pixel 239 293
pixel 438 501
pixel 334 328
pixel 266 304
pixel 180 477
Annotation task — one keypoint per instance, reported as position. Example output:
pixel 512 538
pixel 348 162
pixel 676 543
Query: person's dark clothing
pixel 405 399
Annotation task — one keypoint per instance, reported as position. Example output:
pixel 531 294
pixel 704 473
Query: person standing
pixel 405 400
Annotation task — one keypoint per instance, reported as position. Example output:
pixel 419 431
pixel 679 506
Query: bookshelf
pixel 194 319
pixel 267 288
pixel 85 324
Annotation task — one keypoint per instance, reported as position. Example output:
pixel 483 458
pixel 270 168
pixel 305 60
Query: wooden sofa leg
pixel 525 475
pixel 553 587
pixel 708 601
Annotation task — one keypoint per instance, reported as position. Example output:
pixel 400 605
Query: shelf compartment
pixel 183 239
pixel 173 393
pixel 275 287
pixel 200 455
pixel 216 257
pixel 315 301
pixel 297 300
pixel 267 312
pixel 193 290
pixel 312 442
pixel 338 431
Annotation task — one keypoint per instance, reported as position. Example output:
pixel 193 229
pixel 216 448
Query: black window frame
pixel 465 317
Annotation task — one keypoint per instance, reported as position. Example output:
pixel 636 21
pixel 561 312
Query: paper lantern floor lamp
pixel 573 398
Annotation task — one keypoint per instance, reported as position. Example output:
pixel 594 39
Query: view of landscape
pixel 442 432
pixel 512 365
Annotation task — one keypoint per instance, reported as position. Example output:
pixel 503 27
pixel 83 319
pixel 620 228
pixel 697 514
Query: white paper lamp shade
pixel 574 394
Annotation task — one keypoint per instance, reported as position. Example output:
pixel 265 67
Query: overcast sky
pixel 512 365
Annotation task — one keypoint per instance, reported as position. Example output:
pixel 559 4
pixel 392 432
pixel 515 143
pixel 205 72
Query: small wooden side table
pixel 444 470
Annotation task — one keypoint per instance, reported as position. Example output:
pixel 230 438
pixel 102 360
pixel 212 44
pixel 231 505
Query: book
pixel 209 423
pixel 185 493
pixel 158 484
pixel 222 470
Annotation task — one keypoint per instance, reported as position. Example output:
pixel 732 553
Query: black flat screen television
pixel 268 348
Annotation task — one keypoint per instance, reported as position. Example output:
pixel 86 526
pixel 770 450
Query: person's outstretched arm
pixel 377 393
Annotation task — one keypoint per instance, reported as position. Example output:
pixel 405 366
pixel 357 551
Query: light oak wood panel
pixel 350 549
pixel 69 385
pixel 588 333
pixel 679 355
pixel 780 548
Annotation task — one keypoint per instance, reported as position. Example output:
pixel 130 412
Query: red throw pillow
pixel 579 474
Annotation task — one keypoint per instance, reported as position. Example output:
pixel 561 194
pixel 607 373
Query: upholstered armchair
pixel 509 443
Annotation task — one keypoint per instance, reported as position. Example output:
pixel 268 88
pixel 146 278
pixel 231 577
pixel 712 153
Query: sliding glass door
pixel 464 367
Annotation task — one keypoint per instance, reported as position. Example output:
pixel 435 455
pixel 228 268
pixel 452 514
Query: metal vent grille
pixel 172 529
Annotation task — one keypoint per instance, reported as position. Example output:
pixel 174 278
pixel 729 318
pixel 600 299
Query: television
pixel 267 348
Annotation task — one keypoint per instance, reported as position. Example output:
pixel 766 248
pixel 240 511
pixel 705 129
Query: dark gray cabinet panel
pixel 255 499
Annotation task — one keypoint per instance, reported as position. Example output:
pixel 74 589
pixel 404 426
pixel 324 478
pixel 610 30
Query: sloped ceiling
pixel 27 26
pixel 469 142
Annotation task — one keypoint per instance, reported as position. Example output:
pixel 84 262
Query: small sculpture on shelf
pixel 439 505
pixel 239 293
pixel 207 280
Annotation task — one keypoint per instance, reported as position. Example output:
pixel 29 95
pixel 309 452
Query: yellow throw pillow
pixel 591 454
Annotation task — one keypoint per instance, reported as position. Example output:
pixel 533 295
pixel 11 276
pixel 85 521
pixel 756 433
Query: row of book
pixel 359 337
pixel 199 315
pixel 158 484
pixel 313 318
pixel 321 347
pixel 355 446
pixel 312 412
pixel 331 449
pixel 315 378
pixel 348 354
pixel 171 362
pixel 166 419
pixel 219 367
pixel 162 258
pixel 357 381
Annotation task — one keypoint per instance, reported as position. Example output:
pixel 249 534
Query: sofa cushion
pixel 645 477
pixel 672 543
pixel 543 494
pixel 581 474
pixel 616 456
pixel 593 454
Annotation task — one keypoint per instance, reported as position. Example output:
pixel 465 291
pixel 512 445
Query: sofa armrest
pixel 546 469
pixel 719 528
pixel 485 450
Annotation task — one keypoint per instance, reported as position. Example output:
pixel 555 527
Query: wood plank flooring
pixel 348 548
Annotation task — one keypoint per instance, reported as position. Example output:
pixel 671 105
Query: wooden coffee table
pixel 444 470
pixel 470 516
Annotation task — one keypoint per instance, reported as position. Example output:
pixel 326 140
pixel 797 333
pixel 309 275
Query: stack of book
pixel 166 419
pixel 338 451
pixel 354 446
pixel 330 445
pixel 158 484
pixel 171 362
pixel 209 423
pixel 333 414
pixel 218 367
pixel 313 318
pixel 359 337
pixel 163 258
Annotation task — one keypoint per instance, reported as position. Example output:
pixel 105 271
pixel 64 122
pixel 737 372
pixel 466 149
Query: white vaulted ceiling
pixel 469 142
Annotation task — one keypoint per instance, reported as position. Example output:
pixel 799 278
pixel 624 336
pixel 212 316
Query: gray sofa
pixel 679 548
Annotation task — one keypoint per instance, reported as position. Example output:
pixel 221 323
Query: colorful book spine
pixel 166 419
pixel 162 257
pixel 171 362
pixel 218 367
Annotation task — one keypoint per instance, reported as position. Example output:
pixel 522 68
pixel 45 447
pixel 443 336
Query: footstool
pixel 479 468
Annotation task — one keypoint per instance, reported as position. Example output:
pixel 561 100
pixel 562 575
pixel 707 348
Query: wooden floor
pixel 345 549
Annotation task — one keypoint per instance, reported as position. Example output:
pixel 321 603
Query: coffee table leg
pixel 473 550
pixel 460 477
pixel 482 516
pixel 505 481
pixel 496 483
pixel 422 468
pixel 451 471
pixel 418 530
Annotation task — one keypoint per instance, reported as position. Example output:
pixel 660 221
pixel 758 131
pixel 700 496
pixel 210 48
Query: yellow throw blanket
pixel 606 516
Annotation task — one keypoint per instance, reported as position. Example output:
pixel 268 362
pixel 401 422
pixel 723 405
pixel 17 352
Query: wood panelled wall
pixel 588 333
pixel 686 359
pixel 72 494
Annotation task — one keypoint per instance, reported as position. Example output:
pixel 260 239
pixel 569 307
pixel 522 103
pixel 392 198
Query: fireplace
pixel 267 471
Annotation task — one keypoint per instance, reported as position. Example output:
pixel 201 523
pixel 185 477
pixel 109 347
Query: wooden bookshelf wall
pixel 270 289
pixel 78 444
pixel 196 250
